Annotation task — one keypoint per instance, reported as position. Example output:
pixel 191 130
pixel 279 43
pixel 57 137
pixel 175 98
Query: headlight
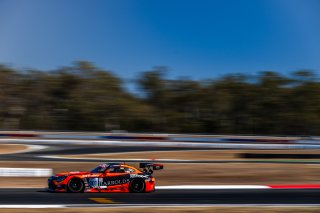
pixel 60 178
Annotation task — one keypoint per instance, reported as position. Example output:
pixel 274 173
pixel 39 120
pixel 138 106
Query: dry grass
pixel 12 148
pixel 175 210
pixel 182 155
pixel 197 174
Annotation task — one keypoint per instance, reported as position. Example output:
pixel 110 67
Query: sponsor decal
pixel 108 181
pixel 138 176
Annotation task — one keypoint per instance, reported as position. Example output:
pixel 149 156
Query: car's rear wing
pixel 154 166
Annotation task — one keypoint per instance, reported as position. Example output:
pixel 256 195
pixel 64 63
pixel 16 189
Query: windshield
pixel 100 168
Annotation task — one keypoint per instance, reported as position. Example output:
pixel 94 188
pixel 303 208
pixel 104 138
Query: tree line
pixel 84 97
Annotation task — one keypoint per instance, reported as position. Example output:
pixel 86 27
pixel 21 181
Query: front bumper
pixel 55 186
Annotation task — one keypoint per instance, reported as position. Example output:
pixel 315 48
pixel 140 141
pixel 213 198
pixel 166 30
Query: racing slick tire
pixel 137 186
pixel 75 185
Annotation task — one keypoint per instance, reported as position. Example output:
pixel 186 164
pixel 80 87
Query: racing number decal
pixel 93 182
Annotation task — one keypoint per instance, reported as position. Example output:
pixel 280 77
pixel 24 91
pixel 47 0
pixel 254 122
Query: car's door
pixel 116 176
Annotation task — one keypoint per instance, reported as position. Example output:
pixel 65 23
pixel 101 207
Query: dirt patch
pixel 12 148
pixel 176 209
pixel 195 174
pixel 189 155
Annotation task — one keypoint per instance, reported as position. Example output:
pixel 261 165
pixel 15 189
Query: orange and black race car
pixel 108 177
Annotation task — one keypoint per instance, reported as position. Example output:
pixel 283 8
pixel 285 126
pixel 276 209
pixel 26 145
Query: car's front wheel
pixel 137 186
pixel 75 185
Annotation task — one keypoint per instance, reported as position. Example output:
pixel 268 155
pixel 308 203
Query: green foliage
pixel 84 97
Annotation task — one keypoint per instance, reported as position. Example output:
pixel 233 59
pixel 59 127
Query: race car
pixel 107 177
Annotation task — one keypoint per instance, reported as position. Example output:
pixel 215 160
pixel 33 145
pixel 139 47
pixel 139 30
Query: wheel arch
pixel 137 179
pixel 72 178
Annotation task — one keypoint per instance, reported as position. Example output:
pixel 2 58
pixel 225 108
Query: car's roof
pixel 117 164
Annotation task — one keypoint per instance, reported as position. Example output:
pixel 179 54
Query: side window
pixel 128 170
pixel 116 169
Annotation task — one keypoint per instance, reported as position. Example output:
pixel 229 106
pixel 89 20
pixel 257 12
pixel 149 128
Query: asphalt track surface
pixel 196 197
pixel 160 197
pixel 82 149
pixel 56 150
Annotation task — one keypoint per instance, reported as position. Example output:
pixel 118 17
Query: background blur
pixel 84 82
pixel 85 97
pixel 241 67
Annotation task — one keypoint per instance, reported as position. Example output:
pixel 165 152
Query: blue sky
pixel 195 38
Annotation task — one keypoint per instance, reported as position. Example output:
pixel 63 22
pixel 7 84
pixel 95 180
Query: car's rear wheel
pixel 137 186
pixel 75 185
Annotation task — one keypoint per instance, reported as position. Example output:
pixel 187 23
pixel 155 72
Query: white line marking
pixel 188 187
pixel 32 148
pixel 18 206
pixel 165 143
pixel 25 172
pixel 31 206
pixel 194 187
